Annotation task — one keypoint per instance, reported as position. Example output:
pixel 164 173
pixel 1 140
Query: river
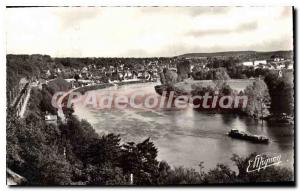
pixel 187 137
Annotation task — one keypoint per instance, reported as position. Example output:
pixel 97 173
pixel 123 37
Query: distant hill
pixel 242 54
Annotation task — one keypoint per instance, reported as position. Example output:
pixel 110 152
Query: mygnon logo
pixel 139 100
pixel 262 162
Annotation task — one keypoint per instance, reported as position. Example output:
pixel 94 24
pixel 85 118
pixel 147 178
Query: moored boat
pixel 235 133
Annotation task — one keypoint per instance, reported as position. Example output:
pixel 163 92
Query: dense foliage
pixel 281 92
pixel 255 97
pixel 258 98
pixel 212 74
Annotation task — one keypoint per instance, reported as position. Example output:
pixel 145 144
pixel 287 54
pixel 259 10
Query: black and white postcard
pixel 150 96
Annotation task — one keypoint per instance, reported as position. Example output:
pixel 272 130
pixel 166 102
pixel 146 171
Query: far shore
pixel 84 89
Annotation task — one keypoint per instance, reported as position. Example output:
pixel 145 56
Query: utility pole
pixel 131 179
pixel 65 155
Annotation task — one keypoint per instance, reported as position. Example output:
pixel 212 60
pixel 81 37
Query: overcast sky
pixel 146 31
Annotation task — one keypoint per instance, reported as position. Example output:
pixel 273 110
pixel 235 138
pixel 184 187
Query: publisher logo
pixel 262 162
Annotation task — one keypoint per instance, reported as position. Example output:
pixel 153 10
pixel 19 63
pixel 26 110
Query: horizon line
pixel 230 51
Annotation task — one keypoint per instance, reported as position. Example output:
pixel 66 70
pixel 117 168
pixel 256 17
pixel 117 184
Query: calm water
pixel 187 137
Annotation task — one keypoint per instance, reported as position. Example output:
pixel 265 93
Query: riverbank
pixel 239 96
pixel 189 85
pixel 84 89
pixel 64 99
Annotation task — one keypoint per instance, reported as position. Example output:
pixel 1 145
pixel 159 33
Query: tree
pixel 140 160
pixel 104 149
pixel 105 175
pixel 76 77
pixel 80 135
pixel 170 77
pixel 183 69
pixel 281 93
pixel 181 175
pixel 164 171
pixel 220 174
pixel 258 97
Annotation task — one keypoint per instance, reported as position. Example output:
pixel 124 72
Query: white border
pixel 152 3
pixel 113 3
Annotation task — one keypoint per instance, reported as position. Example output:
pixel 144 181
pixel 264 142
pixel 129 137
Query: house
pixel 23 81
pixel 41 83
pixel 111 68
pixel 58 70
pixel 277 59
pixel 51 119
pixel 290 66
pixel 140 74
pixel 260 62
pixel 84 69
pixel 281 66
pixel 48 73
pixel 280 74
pixel 128 75
pixel 249 63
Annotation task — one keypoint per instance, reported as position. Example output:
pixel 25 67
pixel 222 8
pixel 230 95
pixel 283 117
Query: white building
pixel 278 59
pixel 48 73
pixel 248 63
pixel 290 66
pixel 281 66
pixel 84 69
pixel 258 62
pixel 51 119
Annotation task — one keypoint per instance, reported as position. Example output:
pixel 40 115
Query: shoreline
pixel 85 89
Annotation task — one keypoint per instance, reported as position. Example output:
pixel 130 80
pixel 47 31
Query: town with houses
pixel 148 70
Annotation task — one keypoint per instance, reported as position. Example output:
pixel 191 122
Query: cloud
pixel 244 27
pixel 190 11
pixel 197 11
pixel 146 31
pixel 247 26
pixel 72 16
